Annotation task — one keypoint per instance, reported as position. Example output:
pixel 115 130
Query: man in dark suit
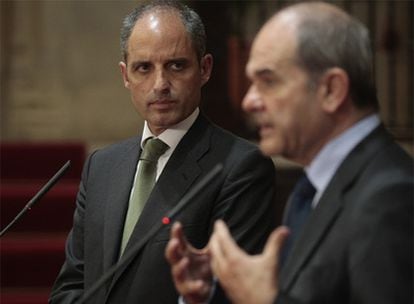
pixel 164 67
pixel 314 100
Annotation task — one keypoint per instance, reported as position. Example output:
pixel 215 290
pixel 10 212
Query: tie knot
pixel 304 188
pixel 153 149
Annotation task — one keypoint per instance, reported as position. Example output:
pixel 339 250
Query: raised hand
pixel 190 267
pixel 246 279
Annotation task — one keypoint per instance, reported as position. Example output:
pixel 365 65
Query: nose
pixel 161 82
pixel 252 101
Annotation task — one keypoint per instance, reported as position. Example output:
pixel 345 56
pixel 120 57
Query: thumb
pixel 275 242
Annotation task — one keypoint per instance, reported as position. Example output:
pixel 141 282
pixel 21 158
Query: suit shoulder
pixel 391 161
pixel 225 137
pixel 240 152
pixel 116 149
pixel 385 182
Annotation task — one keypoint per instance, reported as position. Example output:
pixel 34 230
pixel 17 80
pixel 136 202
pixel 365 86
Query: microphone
pixel 128 255
pixel 38 195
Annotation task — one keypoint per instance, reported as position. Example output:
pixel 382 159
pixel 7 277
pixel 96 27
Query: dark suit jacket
pixel 242 196
pixel 357 246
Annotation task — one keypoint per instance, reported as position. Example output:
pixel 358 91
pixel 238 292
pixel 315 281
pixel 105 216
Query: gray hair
pixel 191 21
pixel 331 38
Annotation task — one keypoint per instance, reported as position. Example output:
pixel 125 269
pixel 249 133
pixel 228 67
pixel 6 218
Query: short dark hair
pixel 191 21
pixel 327 40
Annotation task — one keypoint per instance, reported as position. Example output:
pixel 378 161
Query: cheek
pixel 284 110
pixel 187 89
pixel 141 86
pixel 283 125
pixel 138 97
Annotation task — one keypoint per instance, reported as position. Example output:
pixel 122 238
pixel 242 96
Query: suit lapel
pixel 179 174
pixel 329 206
pixel 122 174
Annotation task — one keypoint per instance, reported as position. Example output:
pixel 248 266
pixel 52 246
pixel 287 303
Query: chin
pixel 268 148
pixel 166 119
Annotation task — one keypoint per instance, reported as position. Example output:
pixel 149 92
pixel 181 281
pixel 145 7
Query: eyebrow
pixel 138 62
pixel 179 59
pixel 264 72
pixel 171 60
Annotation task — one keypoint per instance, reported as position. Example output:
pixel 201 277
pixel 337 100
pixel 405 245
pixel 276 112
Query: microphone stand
pixel 38 196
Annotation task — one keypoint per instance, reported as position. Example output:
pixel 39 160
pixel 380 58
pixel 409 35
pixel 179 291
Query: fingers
pixel 172 252
pixel 193 290
pixel 215 247
pixel 223 249
pixel 176 247
pixel 196 292
pixel 180 268
pixel 190 267
pixel 275 242
pixel 178 234
pixel 223 241
pixel 272 250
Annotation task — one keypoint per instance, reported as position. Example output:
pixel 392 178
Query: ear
pixel 334 89
pixel 206 66
pixel 124 72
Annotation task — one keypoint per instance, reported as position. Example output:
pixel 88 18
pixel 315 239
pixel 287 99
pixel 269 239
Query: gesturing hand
pixel 246 279
pixel 190 267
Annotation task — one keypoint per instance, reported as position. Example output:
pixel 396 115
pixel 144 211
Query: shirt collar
pixel 335 152
pixel 174 134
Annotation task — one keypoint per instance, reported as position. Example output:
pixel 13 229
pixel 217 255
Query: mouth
pixel 161 104
pixel 265 129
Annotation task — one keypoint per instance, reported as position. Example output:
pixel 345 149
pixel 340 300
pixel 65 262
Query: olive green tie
pixel 144 182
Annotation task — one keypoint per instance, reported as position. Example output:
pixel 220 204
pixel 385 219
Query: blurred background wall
pixel 60 78
pixel 59 72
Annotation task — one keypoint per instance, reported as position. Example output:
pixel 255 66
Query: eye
pixel 177 66
pixel 267 82
pixel 266 79
pixel 142 67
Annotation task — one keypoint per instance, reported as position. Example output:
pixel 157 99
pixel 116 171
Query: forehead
pixel 273 48
pixel 159 30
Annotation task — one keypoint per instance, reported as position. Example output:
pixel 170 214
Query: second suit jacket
pixel 357 245
pixel 242 195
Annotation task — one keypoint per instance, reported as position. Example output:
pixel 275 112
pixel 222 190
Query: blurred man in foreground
pixel 348 234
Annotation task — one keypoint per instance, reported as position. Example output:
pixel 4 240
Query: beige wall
pixel 60 74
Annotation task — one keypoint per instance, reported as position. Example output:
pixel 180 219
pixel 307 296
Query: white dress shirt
pixel 172 136
pixel 323 167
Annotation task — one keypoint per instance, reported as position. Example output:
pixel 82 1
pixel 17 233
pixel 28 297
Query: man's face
pixel 162 70
pixel 280 99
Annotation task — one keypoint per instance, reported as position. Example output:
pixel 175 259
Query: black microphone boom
pixel 128 255
pixel 38 195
